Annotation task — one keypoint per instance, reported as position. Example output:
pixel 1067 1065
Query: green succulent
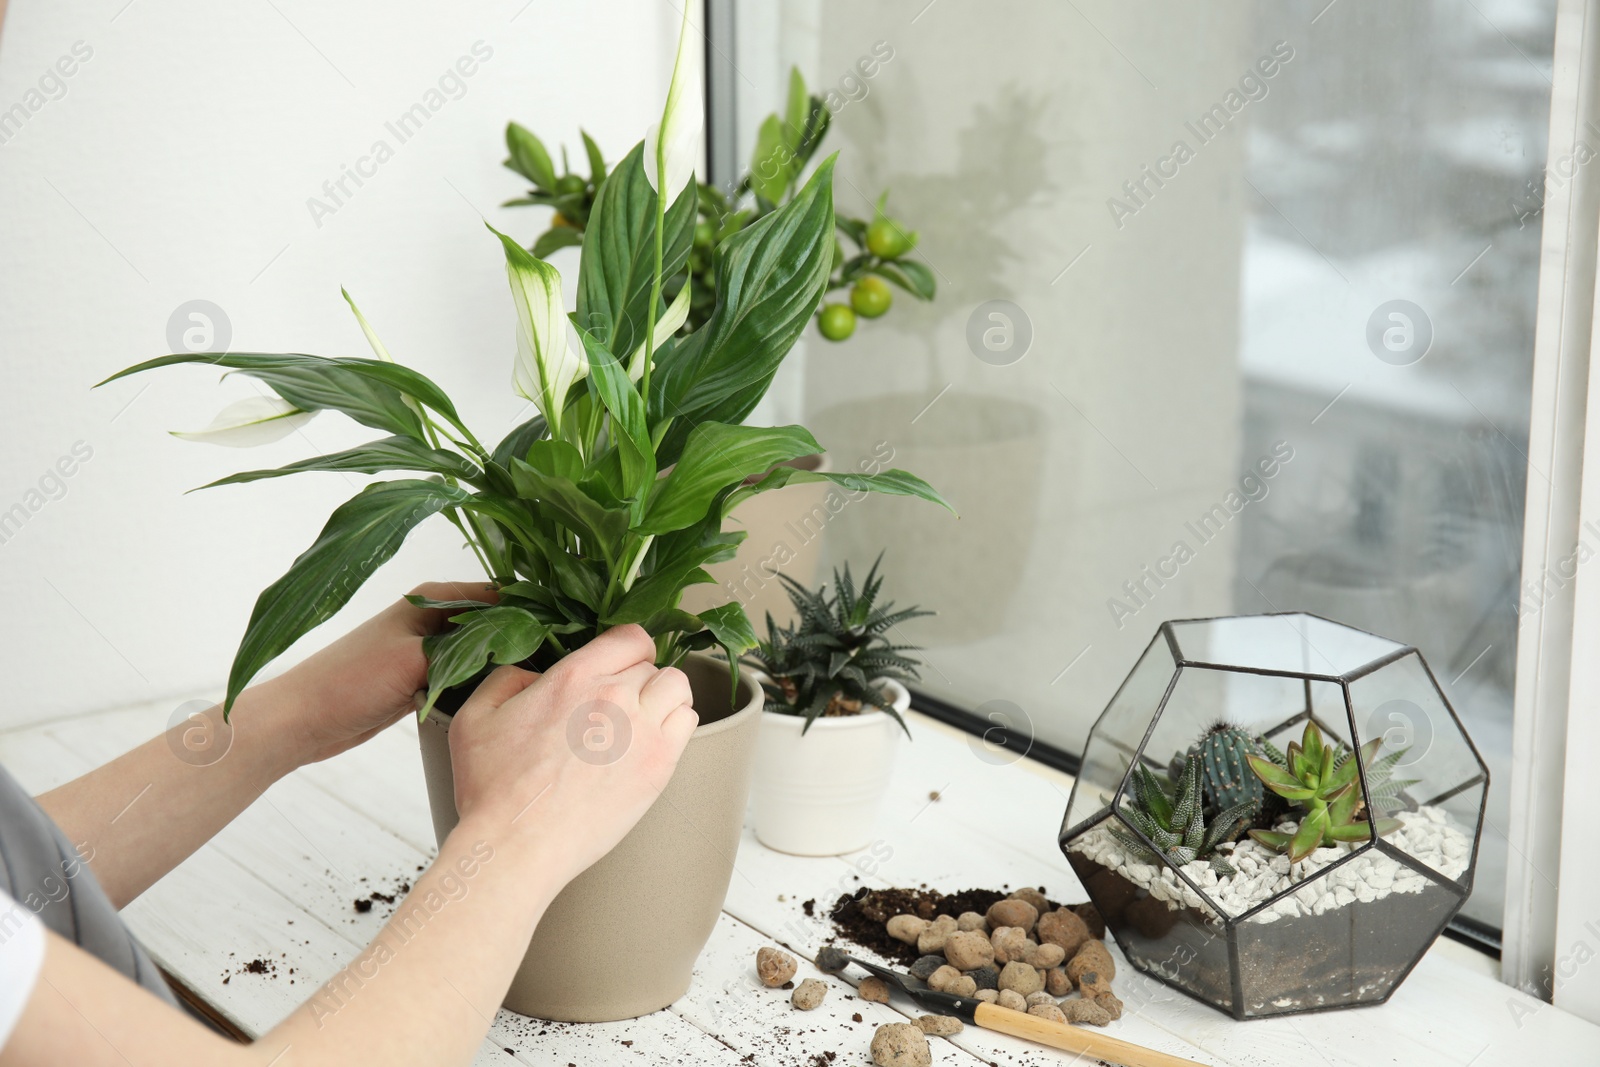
pixel 1321 779
pixel 833 658
pixel 1174 821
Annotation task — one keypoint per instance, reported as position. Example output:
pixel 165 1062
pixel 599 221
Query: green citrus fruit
pixel 888 239
pixel 837 322
pixel 871 296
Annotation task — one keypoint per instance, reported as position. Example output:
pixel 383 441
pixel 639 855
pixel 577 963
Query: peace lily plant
pixel 602 508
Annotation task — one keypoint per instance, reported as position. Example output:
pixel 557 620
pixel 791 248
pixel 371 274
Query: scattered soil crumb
pixel 856 1017
pixel 809 907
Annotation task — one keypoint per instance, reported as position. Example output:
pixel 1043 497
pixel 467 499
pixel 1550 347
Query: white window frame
pixel 1544 925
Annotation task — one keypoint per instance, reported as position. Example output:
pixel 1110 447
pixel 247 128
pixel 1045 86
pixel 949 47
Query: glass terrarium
pixel 1277 813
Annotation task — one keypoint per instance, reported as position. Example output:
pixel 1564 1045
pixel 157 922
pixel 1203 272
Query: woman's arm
pixel 142 814
pixel 533 816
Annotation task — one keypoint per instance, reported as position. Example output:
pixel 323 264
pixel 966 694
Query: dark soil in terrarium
pixel 860 918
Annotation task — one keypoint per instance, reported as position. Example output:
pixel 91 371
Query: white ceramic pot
pixel 818 794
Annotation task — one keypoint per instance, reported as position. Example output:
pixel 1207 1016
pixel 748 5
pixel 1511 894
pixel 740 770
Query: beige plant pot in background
pixel 785 528
pixel 621 939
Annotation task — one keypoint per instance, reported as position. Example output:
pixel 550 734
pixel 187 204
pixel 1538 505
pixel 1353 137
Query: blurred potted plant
pixel 835 690
pixel 785 145
pixel 596 512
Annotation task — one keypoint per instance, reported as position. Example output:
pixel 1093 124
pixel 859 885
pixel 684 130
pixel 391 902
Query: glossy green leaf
pixel 371 391
pixel 1309 835
pixel 772 162
pixel 732 630
pixel 360 536
pixel 529 157
pixel 909 275
pixel 597 159
pixel 715 458
pixel 390 454
pixel 770 278
pixel 890 482
pixel 501 634
pixel 601 528
pixel 555 239
pixel 609 382
pixel 518 441
pixel 618 265
pixel 795 109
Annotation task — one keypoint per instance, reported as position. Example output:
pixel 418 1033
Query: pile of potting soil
pixel 860 918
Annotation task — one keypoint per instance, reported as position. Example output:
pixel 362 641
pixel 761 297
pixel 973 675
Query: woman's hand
pixel 572 758
pixel 368 678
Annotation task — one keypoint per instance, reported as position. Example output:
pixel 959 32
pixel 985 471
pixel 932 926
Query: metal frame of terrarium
pixel 1460 887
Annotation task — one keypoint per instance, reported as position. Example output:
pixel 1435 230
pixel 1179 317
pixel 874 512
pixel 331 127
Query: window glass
pixel 1235 315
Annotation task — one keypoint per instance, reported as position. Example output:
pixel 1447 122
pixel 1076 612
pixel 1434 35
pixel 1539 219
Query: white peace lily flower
pixel 258 420
pixel 546 365
pixel 682 121
pixel 366 328
pixel 669 323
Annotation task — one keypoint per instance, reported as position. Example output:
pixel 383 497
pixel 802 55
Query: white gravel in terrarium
pixel 1427 834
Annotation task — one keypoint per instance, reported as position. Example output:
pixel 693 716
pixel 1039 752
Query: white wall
pixel 176 164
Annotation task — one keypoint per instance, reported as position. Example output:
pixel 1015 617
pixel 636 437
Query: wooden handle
pixel 1073 1038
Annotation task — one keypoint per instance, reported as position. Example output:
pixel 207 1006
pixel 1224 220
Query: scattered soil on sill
pixel 860 918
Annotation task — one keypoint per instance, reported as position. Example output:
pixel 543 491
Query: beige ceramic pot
pixel 621 940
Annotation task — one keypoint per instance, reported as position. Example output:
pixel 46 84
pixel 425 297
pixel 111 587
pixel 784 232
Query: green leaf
pixel 518 441
pixel 389 454
pixel 732 630
pixel 556 238
pixel 1277 779
pixel 715 458
pixel 360 536
pixel 769 279
pixel 1309 835
pixel 529 158
pixel 597 159
pixel 1272 839
pixel 501 634
pixel 909 275
pixel 601 528
pixel 1355 831
pixel 890 482
pixel 796 109
pixel 1311 747
pixel 772 162
pixel 371 391
pixel 609 382
pixel 618 265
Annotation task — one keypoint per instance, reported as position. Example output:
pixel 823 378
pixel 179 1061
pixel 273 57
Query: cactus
pixel 1225 777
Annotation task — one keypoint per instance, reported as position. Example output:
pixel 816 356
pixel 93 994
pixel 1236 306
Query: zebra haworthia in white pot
pixel 597 512
pixel 835 689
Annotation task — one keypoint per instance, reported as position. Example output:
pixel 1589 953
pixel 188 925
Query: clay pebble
pixel 1009 943
pixel 1092 956
pixel 941 980
pixel 1010 998
pixel 985 977
pixel 906 928
pixel 1063 927
pixel 1033 896
pixel 774 967
pixel 988 996
pixel 1041 997
pixel 1111 1003
pixel 933 938
pixel 1085 1011
pixel 1044 956
pixel 808 994
pixel 1056 982
pixel 939 1025
pixel 968 950
pixel 1012 913
pixel 1049 1011
pixel 925 966
pixel 900 1045
pixel 1091 984
pixel 971 920
pixel 874 989
pixel 1021 978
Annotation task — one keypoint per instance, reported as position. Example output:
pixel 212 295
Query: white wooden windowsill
pixel 279 884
